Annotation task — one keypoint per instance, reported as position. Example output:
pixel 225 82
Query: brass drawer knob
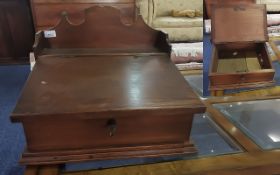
pixel 112 127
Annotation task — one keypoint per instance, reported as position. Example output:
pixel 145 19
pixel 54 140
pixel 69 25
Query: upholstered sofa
pixel 157 13
pixel 271 5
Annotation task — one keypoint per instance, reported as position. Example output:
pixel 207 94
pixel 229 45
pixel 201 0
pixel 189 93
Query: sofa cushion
pixel 187 13
pixel 165 7
pixel 271 5
pixel 143 5
pixel 177 22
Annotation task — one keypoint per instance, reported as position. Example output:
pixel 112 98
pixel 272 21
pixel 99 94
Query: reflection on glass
pixel 210 139
pixel 196 83
pixel 259 120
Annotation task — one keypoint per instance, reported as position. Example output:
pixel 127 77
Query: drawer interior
pixel 240 59
pixel 236 61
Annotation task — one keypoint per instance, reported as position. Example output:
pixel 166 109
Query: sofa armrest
pixel 151 11
pixel 146 10
pixel 271 5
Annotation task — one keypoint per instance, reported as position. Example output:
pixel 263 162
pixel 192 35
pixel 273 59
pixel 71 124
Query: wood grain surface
pixel 47 13
pixel 105 90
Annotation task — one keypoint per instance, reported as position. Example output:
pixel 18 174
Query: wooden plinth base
pixel 219 90
pixel 58 157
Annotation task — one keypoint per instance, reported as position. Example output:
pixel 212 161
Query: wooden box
pixel 239 57
pixel 46 13
pixel 210 3
pixel 104 90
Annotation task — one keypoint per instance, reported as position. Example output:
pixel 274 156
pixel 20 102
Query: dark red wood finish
pixel 47 13
pixel 244 30
pixel 239 24
pixel 210 3
pixel 16 31
pixel 105 90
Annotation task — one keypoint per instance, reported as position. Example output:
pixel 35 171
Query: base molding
pixel 66 156
pixel 242 85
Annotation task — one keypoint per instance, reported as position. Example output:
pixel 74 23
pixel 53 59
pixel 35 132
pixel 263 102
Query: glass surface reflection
pixel 196 83
pixel 259 120
pixel 210 139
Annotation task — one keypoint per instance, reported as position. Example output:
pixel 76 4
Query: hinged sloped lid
pixel 239 23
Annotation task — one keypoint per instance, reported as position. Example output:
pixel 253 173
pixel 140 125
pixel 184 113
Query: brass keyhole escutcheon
pixel 243 78
pixel 112 127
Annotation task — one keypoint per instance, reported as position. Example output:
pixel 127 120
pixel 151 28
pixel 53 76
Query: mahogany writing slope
pixel 240 57
pixel 104 90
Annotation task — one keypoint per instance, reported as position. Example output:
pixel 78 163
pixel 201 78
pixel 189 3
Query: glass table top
pixel 196 83
pixel 208 138
pixel 259 120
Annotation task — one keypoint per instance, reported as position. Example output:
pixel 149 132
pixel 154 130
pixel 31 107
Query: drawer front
pixel 49 15
pixel 230 79
pixel 56 133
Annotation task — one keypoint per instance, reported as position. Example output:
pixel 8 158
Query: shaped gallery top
pixel 101 66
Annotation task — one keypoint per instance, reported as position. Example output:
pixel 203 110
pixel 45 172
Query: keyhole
pixel 112 127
